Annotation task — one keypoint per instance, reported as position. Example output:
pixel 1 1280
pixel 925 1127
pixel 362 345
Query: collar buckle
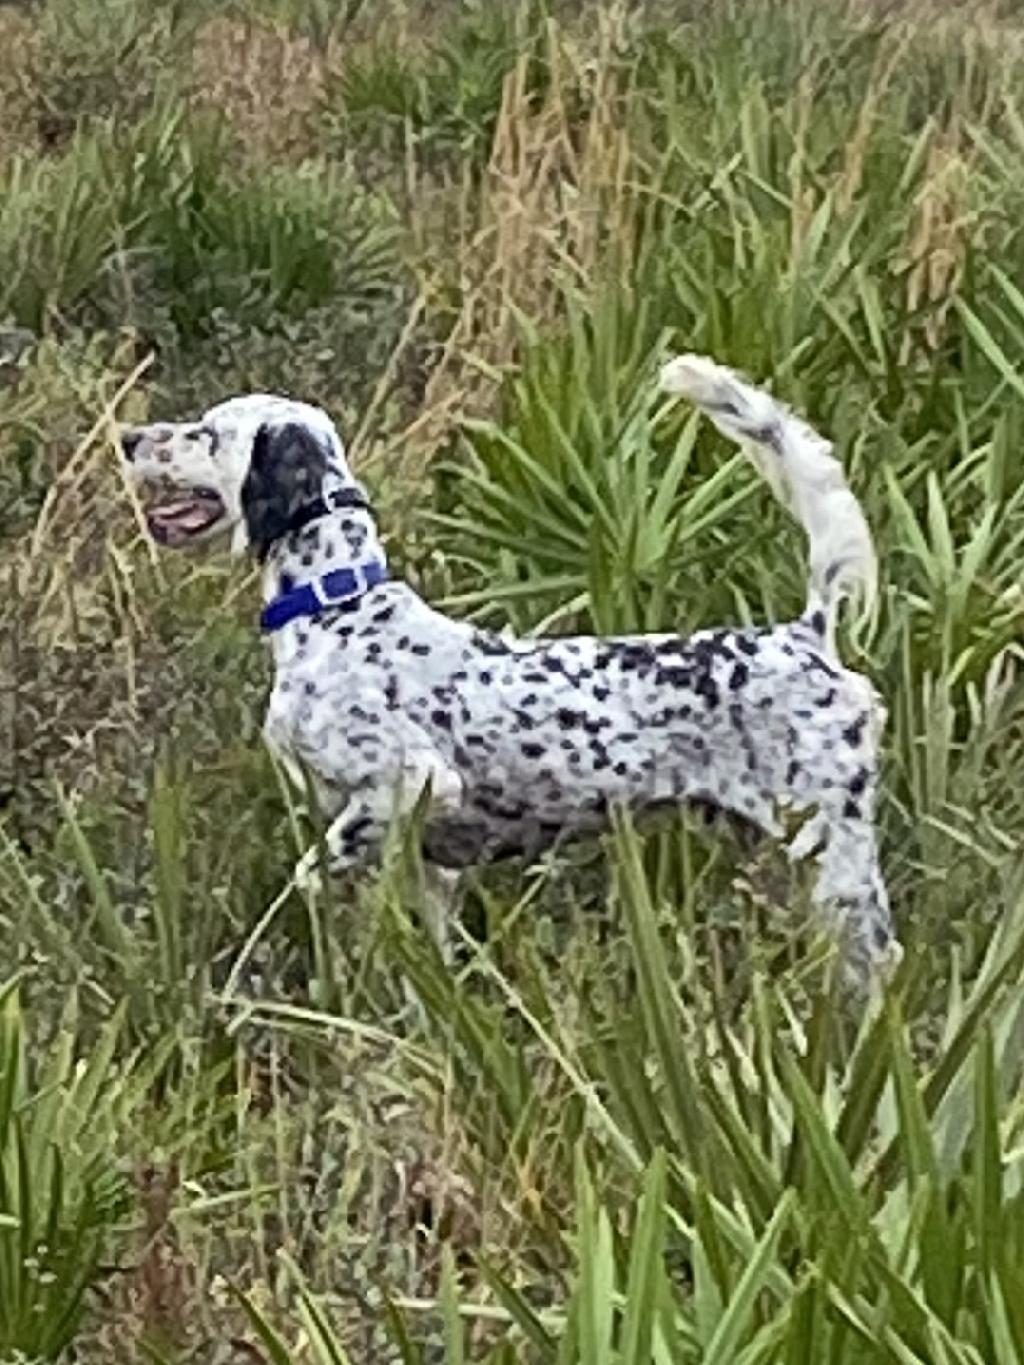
pixel 310 599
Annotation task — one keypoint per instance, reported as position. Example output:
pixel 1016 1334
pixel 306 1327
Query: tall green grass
pixel 809 1187
pixel 159 206
pixel 62 1193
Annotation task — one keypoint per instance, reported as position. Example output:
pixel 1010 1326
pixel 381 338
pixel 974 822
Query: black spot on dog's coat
pixel 854 733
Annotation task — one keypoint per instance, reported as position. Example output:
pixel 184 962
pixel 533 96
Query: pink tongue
pixel 187 515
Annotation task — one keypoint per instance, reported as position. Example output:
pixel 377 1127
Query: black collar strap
pixel 334 501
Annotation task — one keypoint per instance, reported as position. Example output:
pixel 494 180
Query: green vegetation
pixel 636 1121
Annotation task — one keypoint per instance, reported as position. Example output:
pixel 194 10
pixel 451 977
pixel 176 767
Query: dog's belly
pixel 552 783
pixel 546 782
pixel 474 837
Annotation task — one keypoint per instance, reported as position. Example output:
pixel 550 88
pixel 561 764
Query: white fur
pixel 799 466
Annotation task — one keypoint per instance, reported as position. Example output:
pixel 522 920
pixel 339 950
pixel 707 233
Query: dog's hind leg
pixel 442 888
pixel 850 891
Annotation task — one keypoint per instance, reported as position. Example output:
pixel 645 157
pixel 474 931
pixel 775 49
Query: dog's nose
pixel 130 443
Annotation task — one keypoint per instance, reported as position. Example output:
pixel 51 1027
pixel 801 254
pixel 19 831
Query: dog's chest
pixel 350 672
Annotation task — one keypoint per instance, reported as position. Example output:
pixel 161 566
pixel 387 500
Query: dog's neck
pixel 343 539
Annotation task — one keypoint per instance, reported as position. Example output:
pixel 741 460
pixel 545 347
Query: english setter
pixel 518 743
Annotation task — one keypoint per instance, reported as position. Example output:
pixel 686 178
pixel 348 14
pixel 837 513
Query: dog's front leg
pixel 359 831
pixel 376 800
pixel 349 838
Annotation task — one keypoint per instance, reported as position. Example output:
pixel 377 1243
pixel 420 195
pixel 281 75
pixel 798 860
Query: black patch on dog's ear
pixel 286 471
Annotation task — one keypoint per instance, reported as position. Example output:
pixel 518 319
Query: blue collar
pixel 333 590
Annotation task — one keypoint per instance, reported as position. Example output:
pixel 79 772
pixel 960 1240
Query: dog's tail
pixel 803 474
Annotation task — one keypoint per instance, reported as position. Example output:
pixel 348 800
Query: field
pixel 637 1120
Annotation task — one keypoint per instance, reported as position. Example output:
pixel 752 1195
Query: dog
pixel 513 745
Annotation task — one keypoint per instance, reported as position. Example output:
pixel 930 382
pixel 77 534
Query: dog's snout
pixel 130 441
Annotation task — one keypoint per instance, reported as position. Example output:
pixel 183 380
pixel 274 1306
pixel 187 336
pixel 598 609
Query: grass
pixel 636 1121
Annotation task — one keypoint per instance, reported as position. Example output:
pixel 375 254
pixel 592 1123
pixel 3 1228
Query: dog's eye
pixel 204 434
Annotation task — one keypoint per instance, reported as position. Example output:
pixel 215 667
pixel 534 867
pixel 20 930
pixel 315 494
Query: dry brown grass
pixel 943 220
pixel 554 198
pixel 265 80
pixel 18 130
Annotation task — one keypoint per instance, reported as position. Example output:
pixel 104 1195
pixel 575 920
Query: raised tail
pixel 802 472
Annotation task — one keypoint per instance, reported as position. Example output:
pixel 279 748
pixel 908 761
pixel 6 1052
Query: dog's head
pixel 248 466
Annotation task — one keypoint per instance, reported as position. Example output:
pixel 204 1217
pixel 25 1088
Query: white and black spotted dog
pixel 521 743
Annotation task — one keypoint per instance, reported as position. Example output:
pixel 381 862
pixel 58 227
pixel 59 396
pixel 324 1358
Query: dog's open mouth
pixel 180 519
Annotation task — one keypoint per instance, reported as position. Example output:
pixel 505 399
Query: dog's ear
pixel 286 472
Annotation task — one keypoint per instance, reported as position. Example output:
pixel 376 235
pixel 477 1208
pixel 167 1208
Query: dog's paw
pixel 890 960
pixel 308 876
pixel 868 972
